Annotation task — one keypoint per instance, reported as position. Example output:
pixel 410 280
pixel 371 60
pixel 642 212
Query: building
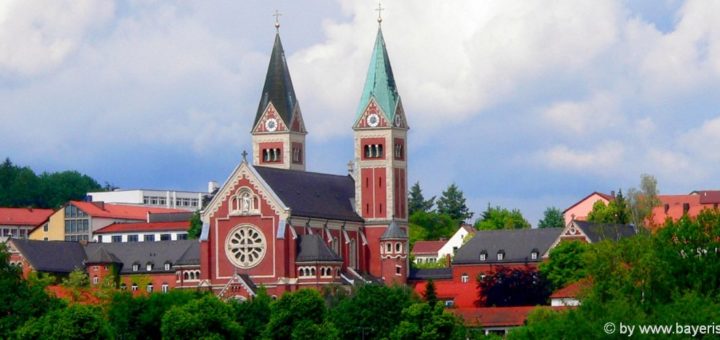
pixel 77 220
pixel 456 241
pixel 19 222
pixel 157 227
pixel 173 199
pixel 590 232
pixel 427 251
pixel 140 266
pixel 582 208
pixel 275 224
pixel 674 207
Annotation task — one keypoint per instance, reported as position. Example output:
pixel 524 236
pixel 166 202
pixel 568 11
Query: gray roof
pixel 51 256
pixel 158 253
pixel 312 248
pixel 191 255
pixel 170 217
pixel 597 232
pixel 516 244
pixel 435 273
pixel 311 194
pixel 278 88
pixel 393 232
pixel 102 255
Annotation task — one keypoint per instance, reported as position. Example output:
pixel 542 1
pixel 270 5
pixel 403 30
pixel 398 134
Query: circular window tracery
pixel 245 246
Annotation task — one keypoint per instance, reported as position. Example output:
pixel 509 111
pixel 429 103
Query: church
pixel 272 223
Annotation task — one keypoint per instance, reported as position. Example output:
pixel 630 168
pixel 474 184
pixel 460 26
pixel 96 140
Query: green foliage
pixel 431 226
pixel 616 212
pixel 452 203
pixel 305 306
pixel 430 294
pixel 206 318
pixel 371 312
pixel 254 315
pixel 566 263
pixel 195 226
pixel 642 201
pixel 495 218
pixel 20 300
pixel 422 321
pixel 73 322
pixel 552 218
pixel 417 202
pixel 512 287
pixel 21 187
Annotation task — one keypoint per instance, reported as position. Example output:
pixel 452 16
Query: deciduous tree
pixel 552 218
pixel 495 218
pixel 512 287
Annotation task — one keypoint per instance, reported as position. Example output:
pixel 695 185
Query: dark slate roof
pixel 393 232
pixel 278 88
pixel 101 255
pixel 517 244
pixel 191 255
pixel 597 232
pixel 170 217
pixel 312 248
pixel 142 253
pixel 311 194
pixel 52 256
pixel 436 273
pixel 249 282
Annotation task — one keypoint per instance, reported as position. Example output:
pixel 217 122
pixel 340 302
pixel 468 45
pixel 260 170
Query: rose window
pixel 245 246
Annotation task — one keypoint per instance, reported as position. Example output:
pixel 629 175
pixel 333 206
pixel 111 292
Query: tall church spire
pixel 380 82
pixel 279 131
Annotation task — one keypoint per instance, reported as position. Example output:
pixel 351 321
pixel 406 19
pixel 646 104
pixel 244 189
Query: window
pixel 297 153
pixel 136 267
pixel 398 270
pixel 116 239
pixel 449 303
pixel 123 286
pixel 150 238
pixel 165 237
pixel 77 224
pixel 500 255
pixel 399 150
pixel 182 236
pixel 149 266
pixel 167 265
pixel 534 255
pixel 483 256
pixel 95 268
pixel 373 151
pixel 45 227
pixel 464 278
pixel 398 247
pixel 164 287
pixel 272 155
pixel 149 288
pixel 388 248
pixel 95 280
pixel 134 287
pixel 132 238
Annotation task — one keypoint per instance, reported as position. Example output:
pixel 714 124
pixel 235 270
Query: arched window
pixel 312 271
pixel 186 276
pixel 134 287
pixel 398 247
pixel 388 248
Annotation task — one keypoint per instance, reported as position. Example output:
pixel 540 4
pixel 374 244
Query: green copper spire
pixel 278 88
pixel 380 82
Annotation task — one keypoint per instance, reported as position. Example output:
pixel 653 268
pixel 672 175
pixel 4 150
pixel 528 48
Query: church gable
pixel 270 121
pixel 399 120
pixel 297 124
pixel 372 117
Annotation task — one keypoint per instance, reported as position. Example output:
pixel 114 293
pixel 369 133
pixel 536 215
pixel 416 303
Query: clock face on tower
pixel 373 120
pixel 271 124
pixel 398 120
pixel 245 246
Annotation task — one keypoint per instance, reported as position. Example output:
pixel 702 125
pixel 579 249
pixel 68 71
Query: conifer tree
pixel 452 203
pixel 417 202
pixel 430 294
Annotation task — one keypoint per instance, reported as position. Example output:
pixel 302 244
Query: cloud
pixel 604 158
pixel 703 142
pixel 580 117
pixel 37 36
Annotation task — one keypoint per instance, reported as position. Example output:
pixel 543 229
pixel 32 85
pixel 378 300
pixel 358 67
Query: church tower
pixel 278 133
pixel 380 131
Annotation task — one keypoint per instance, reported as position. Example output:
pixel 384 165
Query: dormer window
pixel 167 266
pixel 501 255
pixel 149 266
pixel 135 267
pixel 534 255
pixel 483 256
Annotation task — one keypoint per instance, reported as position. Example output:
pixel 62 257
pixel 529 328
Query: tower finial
pixel 379 9
pixel 277 20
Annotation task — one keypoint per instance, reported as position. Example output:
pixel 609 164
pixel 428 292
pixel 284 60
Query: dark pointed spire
pixel 278 88
pixel 380 82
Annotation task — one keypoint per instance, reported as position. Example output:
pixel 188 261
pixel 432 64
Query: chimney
pixel 212 186
pixel 351 169
pixel 99 204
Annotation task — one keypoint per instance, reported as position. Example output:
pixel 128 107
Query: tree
pixel 304 306
pixel 417 202
pixel 430 295
pixel 512 287
pixel 615 212
pixel 643 200
pixel 431 226
pixel 195 226
pixel 208 317
pixel 422 321
pixel 501 218
pixel 565 264
pixel 76 281
pixel 254 315
pixel 73 322
pixel 552 218
pixel 452 203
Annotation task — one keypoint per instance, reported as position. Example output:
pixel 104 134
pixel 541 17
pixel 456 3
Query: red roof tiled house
pixel 568 295
pixel 78 220
pixel 19 222
pixel 582 208
pixel 493 320
pixel 427 251
pixel 159 227
pixel 675 206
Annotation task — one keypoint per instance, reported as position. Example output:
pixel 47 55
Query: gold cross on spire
pixel 379 9
pixel 277 20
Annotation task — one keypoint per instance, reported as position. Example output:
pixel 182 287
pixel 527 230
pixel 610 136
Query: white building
pixel 187 200
pixel 456 241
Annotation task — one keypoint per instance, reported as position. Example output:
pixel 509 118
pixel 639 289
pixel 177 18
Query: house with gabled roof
pixel 582 208
pixel 19 222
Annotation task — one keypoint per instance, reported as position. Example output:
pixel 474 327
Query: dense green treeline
pixel 671 277
pixel 20 187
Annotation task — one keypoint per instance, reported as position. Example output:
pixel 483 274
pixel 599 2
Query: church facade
pixel 273 223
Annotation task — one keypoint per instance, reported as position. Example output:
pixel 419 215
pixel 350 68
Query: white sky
pixel 524 104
